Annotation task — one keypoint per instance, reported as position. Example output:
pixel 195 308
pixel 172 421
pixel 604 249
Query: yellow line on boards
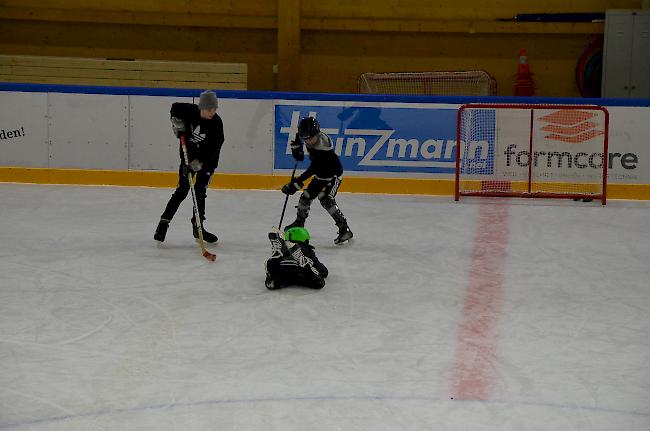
pixel 417 186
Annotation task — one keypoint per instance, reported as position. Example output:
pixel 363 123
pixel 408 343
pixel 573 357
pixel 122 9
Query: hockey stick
pixel 197 219
pixel 286 199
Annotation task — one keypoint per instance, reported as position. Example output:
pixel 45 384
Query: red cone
pixel 524 83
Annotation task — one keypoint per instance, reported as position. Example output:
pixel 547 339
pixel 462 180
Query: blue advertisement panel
pixel 372 138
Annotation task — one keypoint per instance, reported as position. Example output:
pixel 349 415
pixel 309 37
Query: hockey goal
pixel 532 150
pixel 441 83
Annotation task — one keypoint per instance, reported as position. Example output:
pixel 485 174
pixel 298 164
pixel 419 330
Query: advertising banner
pixel 392 139
pixel 550 145
pixel 375 138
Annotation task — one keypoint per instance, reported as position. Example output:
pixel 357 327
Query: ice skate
pixel 345 234
pixel 297 223
pixel 270 282
pixel 208 237
pixel 161 230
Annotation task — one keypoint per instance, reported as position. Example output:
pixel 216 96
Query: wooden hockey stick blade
pixel 211 257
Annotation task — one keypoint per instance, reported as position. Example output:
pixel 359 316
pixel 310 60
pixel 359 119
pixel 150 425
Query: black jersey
pixel 206 137
pixel 325 163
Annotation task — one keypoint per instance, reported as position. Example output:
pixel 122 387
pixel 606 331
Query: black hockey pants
pixel 202 181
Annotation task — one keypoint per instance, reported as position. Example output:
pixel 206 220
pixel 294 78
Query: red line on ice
pixel 474 367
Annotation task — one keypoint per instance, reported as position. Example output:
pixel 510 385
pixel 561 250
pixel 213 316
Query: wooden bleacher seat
pixel 124 73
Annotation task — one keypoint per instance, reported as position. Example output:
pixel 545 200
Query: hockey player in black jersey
pixel 203 130
pixel 293 261
pixel 326 169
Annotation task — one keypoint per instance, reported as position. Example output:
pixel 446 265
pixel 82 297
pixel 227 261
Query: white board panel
pixel 248 126
pixel 88 131
pixel 248 129
pixel 23 129
pixel 153 146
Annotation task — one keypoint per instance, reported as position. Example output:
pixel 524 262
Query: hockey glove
pixel 278 246
pixel 296 149
pixel 292 187
pixel 194 166
pixel 178 126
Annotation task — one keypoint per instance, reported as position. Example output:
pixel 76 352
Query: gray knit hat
pixel 208 100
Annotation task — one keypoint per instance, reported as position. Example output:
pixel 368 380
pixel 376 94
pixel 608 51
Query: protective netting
pixel 532 150
pixel 444 83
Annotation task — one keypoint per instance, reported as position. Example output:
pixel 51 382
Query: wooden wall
pixel 318 45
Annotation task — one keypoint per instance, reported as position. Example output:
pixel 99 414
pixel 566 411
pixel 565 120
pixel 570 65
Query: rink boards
pixel 122 136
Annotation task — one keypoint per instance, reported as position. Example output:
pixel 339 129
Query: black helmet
pixel 308 127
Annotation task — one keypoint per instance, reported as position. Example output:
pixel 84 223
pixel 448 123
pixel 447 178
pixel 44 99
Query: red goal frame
pixel 602 196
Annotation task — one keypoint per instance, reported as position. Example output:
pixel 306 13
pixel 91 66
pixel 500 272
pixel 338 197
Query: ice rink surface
pixel 531 315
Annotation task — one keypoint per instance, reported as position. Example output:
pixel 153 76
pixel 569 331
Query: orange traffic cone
pixel 524 83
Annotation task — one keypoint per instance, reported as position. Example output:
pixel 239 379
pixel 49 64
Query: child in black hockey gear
pixel 203 130
pixel 326 169
pixel 293 261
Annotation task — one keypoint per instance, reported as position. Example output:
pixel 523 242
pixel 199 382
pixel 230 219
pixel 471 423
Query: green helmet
pixel 296 234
